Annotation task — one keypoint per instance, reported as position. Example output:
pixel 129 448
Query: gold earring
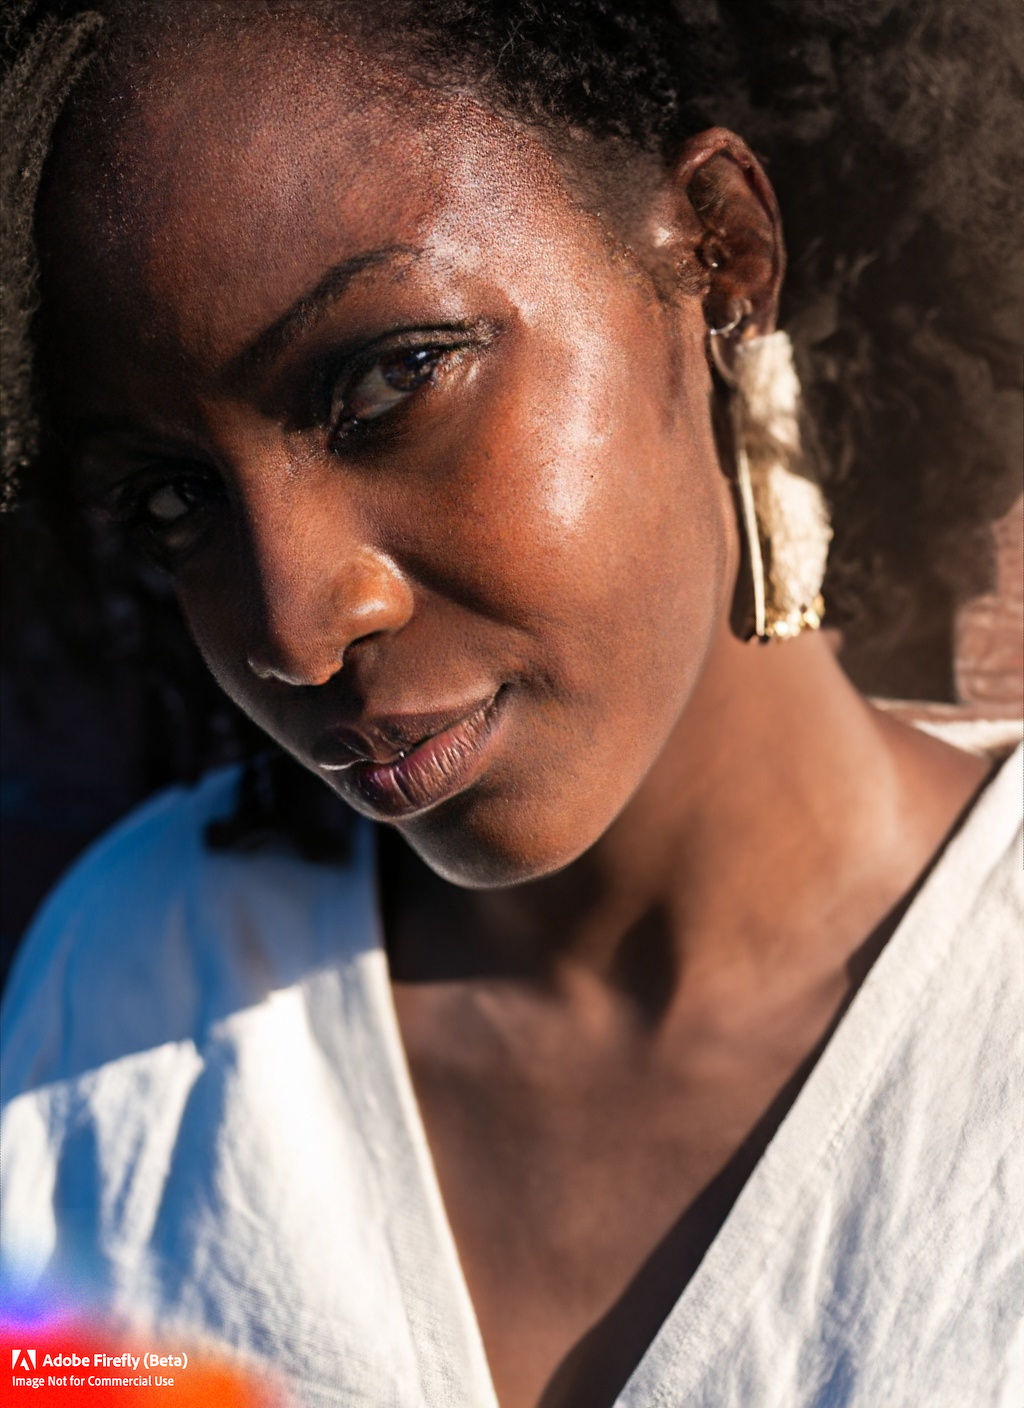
pixel 782 510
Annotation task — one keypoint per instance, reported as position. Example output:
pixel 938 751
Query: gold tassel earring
pixel 781 507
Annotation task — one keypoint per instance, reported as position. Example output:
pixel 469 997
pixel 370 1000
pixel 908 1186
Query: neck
pixel 781 810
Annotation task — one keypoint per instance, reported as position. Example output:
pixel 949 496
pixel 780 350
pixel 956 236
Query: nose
pixel 317 590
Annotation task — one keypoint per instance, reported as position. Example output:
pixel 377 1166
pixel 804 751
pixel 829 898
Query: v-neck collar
pixel 795 1166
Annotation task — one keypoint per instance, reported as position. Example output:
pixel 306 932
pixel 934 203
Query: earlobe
pixel 732 222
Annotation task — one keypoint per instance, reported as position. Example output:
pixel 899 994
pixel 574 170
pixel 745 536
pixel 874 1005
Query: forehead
pixel 209 181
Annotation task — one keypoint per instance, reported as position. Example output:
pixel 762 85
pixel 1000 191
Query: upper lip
pixel 386 738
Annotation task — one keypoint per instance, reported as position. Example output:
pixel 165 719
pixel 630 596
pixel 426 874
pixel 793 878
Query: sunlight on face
pixel 429 461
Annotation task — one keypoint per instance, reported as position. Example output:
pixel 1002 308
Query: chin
pixel 466 851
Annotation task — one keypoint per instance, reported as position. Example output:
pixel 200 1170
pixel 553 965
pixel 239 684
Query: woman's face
pixel 426 451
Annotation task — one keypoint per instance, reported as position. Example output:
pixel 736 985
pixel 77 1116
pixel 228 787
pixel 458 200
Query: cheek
pixel 600 519
pixel 211 612
pixel 218 599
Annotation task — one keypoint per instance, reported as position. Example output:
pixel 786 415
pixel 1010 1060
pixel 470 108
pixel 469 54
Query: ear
pixel 720 223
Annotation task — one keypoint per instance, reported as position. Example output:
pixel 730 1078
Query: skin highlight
pixel 614 947
pixel 529 462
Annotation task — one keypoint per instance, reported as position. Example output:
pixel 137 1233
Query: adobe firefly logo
pixel 23 1359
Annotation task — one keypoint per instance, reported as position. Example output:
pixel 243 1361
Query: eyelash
pixel 129 506
pixel 429 358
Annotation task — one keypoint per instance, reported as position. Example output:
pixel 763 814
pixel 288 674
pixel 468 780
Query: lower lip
pixel 435 770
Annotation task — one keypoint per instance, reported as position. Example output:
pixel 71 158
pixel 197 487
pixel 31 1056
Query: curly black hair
pixel 889 129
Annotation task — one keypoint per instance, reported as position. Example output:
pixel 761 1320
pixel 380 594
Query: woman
pixel 392 338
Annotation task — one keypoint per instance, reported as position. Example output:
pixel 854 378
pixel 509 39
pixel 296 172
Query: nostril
pixel 297 675
pixel 305 615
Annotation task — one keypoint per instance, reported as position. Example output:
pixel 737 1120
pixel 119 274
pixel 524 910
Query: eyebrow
pixel 268 345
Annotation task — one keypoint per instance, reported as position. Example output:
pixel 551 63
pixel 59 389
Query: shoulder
pixel 978 879
pixel 200 1065
pixel 932 1163
pixel 878 1241
pixel 151 936
pixel 991 853
pixel 962 936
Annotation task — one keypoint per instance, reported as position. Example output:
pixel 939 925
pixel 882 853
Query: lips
pixel 409 763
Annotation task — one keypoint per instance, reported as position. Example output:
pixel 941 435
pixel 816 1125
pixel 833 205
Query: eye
pixel 166 513
pixel 169 505
pixel 388 383
pixel 166 505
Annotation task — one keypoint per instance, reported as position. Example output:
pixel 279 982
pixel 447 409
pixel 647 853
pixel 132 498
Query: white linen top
pixel 210 1124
